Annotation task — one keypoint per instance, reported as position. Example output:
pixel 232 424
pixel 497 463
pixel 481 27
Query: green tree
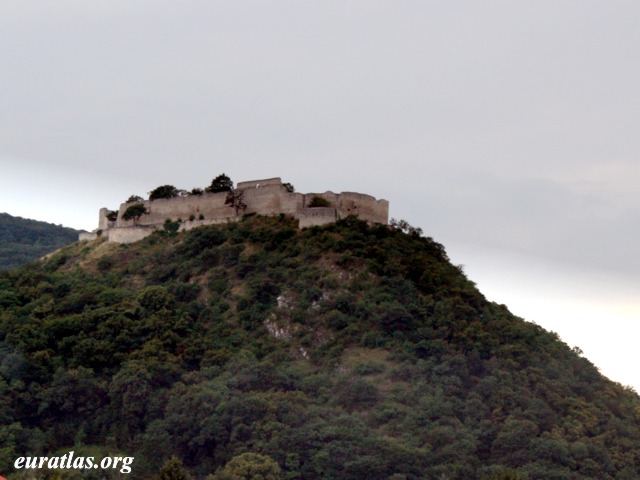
pixel 405 227
pixel 318 202
pixel 129 393
pixel 73 395
pixel 222 183
pixel 249 466
pixel 155 298
pixel 112 215
pixel 164 191
pixel 7 450
pixel 504 473
pixel 134 198
pixel 172 469
pixel 134 212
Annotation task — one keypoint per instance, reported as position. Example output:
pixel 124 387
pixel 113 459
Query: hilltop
pixel 23 240
pixel 222 203
pixel 345 351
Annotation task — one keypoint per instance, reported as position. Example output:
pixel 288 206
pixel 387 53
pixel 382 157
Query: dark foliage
pixel 340 352
pixel 318 202
pixel 164 191
pixel 134 212
pixel 112 215
pixel 23 241
pixel 289 187
pixel 222 183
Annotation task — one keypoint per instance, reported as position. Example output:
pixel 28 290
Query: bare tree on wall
pixel 234 199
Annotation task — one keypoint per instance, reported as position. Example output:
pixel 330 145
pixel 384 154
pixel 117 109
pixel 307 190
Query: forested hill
pixel 340 352
pixel 23 240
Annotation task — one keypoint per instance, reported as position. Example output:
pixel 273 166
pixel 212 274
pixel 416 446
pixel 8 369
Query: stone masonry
pixel 263 197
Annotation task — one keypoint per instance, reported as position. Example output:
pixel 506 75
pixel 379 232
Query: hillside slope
pixel 23 240
pixel 341 352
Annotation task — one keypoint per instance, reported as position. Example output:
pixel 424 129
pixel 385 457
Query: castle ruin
pixel 263 197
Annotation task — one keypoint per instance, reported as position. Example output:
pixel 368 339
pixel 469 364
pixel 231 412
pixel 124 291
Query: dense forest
pixel 344 352
pixel 23 240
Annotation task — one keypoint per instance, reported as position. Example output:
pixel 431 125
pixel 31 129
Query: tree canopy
pixel 289 187
pixel 222 183
pixel 23 240
pixel 249 466
pixel 318 202
pixel 163 191
pixel 111 215
pixel 348 351
pixel 134 212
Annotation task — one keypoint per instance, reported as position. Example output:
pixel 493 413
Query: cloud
pixel 513 125
pixel 536 216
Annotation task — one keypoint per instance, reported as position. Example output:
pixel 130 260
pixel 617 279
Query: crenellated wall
pixel 264 197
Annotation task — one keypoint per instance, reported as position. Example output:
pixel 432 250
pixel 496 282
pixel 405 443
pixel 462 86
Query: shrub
pixel 368 368
pixel 155 298
pixel 184 292
pixel 318 202
pixel 171 227
pixel 201 239
pixel 105 263
pixel 112 215
pixel 405 227
pixel 358 394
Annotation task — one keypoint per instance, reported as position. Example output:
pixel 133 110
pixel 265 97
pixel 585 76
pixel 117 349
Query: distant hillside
pixel 344 352
pixel 23 240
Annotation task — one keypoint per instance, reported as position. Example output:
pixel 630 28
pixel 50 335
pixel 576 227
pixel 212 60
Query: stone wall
pixel 87 236
pixel 361 205
pixel 260 183
pixel 208 205
pixel 309 217
pixel 263 197
pixel 128 234
pixel 189 224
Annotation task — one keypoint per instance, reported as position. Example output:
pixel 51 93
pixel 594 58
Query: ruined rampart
pixel 263 197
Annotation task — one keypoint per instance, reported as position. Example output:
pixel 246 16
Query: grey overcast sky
pixel 507 130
